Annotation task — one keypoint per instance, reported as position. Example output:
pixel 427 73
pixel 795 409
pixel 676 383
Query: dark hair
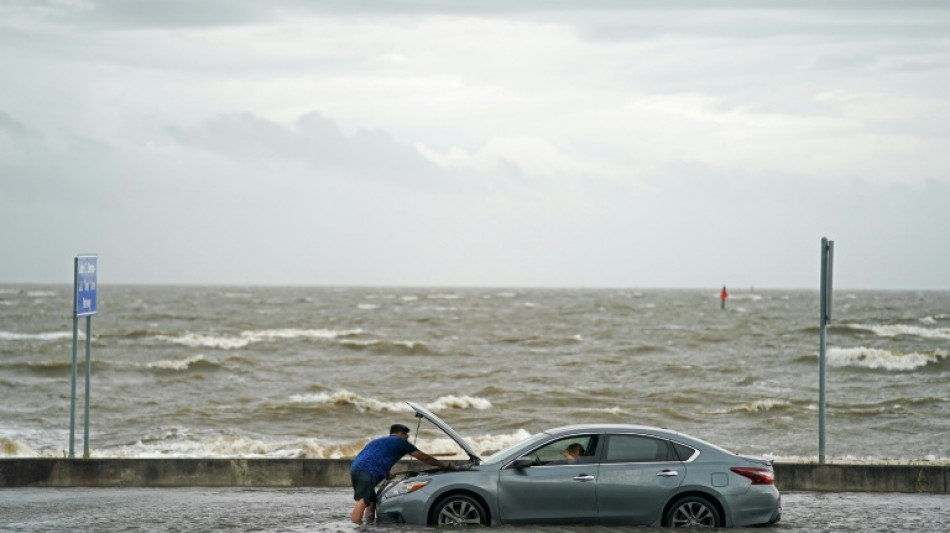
pixel 398 428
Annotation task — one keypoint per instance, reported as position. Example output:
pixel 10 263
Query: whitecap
pixel 196 340
pixel 251 447
pixel 168 364
pixel 41 294
pixel 48 336
pixel 458 402
pixel 894 330
pixel 14 448
pixel 875 358
pixel 345 397
pixel 758 406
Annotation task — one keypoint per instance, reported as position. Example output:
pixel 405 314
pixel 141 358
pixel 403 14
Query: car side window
pixel 683 451
pixel 577 449
pixel 638 449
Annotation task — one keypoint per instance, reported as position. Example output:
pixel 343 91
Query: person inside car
pixel 572 452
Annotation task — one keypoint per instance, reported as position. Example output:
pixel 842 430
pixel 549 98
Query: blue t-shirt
pixel 379 456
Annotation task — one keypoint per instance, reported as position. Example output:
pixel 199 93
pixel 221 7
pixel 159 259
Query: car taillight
pixel 759 476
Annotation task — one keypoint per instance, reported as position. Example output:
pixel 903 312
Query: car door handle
pixel 667 473
pixel 583 477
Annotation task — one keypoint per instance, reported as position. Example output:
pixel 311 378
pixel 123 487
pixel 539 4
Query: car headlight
pixel 405 487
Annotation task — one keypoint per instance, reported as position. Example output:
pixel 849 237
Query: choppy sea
pixel 205 371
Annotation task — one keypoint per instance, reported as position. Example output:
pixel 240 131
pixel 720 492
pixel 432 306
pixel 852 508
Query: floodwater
pixel 321 509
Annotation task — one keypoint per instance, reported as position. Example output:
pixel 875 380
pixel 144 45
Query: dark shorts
pixel 364 486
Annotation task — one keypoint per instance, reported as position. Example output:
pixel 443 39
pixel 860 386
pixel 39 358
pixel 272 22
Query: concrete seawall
pixel 48 472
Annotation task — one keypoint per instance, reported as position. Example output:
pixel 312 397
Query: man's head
pixel 575 450
pixel 400 430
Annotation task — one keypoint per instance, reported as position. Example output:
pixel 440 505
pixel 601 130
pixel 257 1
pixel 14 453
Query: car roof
pixel 634 428
pixel 611 428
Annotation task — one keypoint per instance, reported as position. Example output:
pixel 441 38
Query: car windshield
pixel 505 453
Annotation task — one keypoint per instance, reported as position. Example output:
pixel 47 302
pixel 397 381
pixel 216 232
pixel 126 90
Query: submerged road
pixel 323 509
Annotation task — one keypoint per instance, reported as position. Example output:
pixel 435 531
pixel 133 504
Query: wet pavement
pixel 316 509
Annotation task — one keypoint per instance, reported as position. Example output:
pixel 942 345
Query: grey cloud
pixel 317 141
pixel 11 126
pixel 187 13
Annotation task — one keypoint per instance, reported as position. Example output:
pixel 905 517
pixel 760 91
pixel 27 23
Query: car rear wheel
pixel 693 511
pixel 459 510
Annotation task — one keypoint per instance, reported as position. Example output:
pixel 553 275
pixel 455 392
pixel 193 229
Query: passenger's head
pixel 575 450
pixel 399 429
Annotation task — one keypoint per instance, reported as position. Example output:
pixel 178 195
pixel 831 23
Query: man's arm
pixel 428 459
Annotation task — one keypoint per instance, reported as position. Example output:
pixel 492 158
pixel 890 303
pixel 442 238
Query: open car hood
pixel 422 412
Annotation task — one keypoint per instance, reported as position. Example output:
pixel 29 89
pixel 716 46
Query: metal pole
pixel 72 396
pixel 822 323
pixel 85 447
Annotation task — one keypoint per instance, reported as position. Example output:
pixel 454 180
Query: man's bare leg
pixel 358 511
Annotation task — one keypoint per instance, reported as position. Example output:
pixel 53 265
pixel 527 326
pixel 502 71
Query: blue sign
pixel 86 285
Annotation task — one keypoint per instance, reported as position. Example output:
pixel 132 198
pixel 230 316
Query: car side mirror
pixel 523 462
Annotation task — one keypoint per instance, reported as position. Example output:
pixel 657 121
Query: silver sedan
pixel 590 474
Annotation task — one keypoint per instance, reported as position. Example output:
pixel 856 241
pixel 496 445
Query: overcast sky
pixel 499 143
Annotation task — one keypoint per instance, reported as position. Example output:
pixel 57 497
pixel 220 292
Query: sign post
pixel 85 303
pixel 827 261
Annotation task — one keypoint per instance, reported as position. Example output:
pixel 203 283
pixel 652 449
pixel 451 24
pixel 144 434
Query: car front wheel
pixel 459 510
pixel 693 511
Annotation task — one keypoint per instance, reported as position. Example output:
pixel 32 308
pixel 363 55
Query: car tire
pixel 693 511
pixel 459 510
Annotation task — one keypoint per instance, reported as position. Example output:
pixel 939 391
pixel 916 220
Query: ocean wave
pixel 760 406
pixel 458 402
pixel 878 359
pixel 388 347
pixel 895 330
pixel 232 446
pixel 345 397
pixel 45 368
pixel 246 338
pixel 443 296
pixel 237 295
pixel 643 349
pixel 184 364
pixel 41 294
pixel 309 448
pixel 14 448
pixel 608 410
pixel 129 334
pixel 47 336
